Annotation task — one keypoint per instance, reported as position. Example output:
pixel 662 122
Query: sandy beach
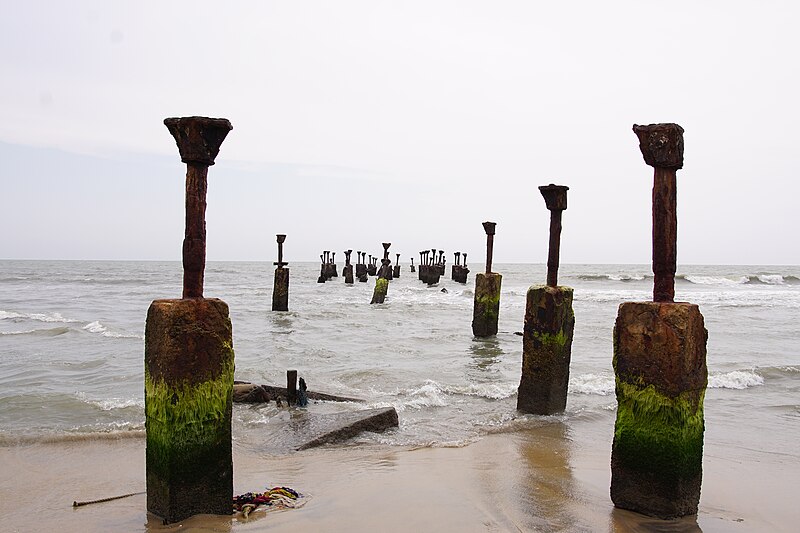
pixel 550 478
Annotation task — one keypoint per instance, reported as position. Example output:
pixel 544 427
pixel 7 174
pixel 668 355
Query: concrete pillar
pixel 189 363
pixel 486 310
pixel 660 366
pixel 280 286
pixel 549 326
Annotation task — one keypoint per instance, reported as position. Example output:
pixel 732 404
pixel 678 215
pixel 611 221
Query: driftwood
pixel 245 392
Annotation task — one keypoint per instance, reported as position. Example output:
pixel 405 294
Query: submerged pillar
pixel 396 269
pixel 189 362
pixel 660 366
pixel 280 287
pixel 486 310
pixel 549 326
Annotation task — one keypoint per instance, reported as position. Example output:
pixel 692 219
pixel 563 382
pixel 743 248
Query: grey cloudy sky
pixel 357 122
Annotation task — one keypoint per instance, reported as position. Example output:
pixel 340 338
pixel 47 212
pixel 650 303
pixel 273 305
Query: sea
pixel 72 350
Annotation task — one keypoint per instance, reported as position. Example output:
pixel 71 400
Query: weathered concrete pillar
pixel 280 287
pixel 549 326
pixel 486 310
pixel 347 271
pixel 390 274
pixel 382 283
pixel 322 270
pixel 189 362
pixel 372 268
pixel 396 269
pixel 412 265
pixel 660 367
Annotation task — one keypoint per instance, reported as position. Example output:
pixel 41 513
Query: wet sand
pixel 550 478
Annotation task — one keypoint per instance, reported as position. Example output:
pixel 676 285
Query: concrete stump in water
pixel 381 288
pixel 280 290
pixel 661 378
pixel 487 304
pixel 546 350
pixel 188 397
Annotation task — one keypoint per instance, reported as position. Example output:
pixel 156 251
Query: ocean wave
pixel 38 317
pixel 613 277
pixel 110 404
pixel 491 391
pixel 599 384
pixel 47 332
pixel 737 379
pixel 115 432
pixel 97 327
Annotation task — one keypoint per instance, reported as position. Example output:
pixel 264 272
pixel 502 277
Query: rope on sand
pixel 81 504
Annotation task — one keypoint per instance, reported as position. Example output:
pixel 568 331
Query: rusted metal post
pixel 555 198
pixel 280 287
pixel 198 139
pixel 489 228
pixel 662 148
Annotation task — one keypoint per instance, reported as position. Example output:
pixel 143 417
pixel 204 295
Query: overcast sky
pixel 357 122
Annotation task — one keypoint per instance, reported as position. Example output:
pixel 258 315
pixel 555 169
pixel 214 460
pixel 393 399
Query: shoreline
pixel 550 478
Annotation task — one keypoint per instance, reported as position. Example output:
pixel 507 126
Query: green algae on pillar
pixel 661 378
pixel 486 309
pixel 546 350
pixel 188 397
pixel 381 288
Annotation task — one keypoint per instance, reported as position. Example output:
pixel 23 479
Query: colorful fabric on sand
pixel 278 497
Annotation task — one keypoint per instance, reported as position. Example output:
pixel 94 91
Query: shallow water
pixel 71 346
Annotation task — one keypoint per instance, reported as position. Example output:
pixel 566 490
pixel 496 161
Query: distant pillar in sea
pixel 660 365
pixel 280 288
pixel 486 310
pixel 384 275
pixel 347 271
pixel 549 325
pixel 412 265
pixel 459 272
pixel 189 360
pixel 396 270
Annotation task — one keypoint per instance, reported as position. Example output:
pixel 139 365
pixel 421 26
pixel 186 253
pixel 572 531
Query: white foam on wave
pixel 716 280
pixel 97 327
pixel 492 391
pixel 625 277
pixel 110 404
pixel 39 317
pixel 598 384
pixel 737 379
pixel 771 279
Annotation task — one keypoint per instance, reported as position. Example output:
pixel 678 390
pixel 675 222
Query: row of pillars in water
pixel 659 353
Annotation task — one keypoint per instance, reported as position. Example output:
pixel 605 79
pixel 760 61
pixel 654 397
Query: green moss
pixel 187 424
pixel 558 340
pixel 658 434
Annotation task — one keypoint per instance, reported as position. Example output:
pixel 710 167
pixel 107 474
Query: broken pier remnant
pixel 458 272
pixel 189 361
pixel 347 271
pixel 486 310
pixel 549 326
pixel 384 275
pixel 280 287
pixel 659 365
pixel 396 269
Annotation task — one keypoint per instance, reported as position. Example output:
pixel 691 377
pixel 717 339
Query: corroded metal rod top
pixel 489 227
pixel 555 196
pixel 661 144
pixel 281 238
pixel 386 245
pixel 198 138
